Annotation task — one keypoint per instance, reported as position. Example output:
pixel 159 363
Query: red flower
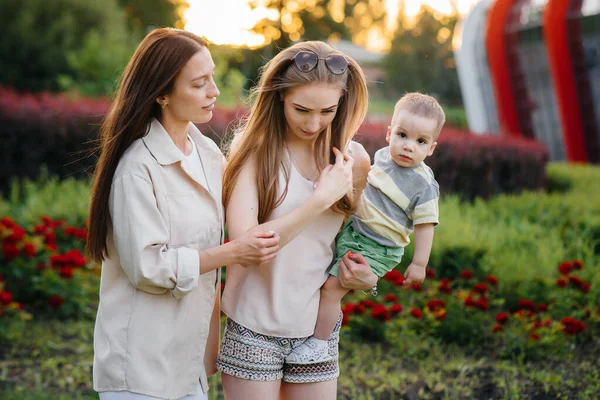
pixel 368 303
pixel 395 309
pixel 470 302
pixel 527 304
pixel 482 305
pixel 349 309
pixel 491 279
pixel 399 281
pixel 10 250
pixel 390 298
pixel 50 238
pixel 440 314
pixel 66 272
pixel 225 241
pixel 444 286
pixel 5 297
pixel 58 260
pixel 345 320
pixel 572 326
pixel 55 301
pixel 430 273
pixel 535 337
pixel 502 317
pixel 578 264
pixel 435 304
pixel 585 288
pixel 547 322
pixel 565 268
pixel 561 282
pixel 416 287
pixel 415 312
pixel 360 309
pixel 392 276
pixel 466 274
pixel 497 328
pixel 29 249
pixel 542 307
pixel 480 288
pixel 525 313
pixel 380 312
pixel 75 257
pixel 17 234
pixel 8 222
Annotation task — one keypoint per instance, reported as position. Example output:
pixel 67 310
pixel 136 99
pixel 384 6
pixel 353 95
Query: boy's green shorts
pixel 382 259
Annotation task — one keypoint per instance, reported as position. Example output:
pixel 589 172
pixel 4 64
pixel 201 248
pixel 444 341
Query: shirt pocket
pixel 189 224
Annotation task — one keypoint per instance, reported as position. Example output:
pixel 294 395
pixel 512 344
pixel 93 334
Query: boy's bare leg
pixel 332 294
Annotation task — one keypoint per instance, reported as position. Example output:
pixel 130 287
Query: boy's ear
pixel 432 148
pixel 388 134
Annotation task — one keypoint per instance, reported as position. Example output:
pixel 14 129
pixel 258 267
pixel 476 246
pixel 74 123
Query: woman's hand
pixel 354 272
pixel 255 248
pixel 336 179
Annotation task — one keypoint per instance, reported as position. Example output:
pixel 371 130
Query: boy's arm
pixel 423 241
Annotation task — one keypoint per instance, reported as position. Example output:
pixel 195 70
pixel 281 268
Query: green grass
pixel 52 360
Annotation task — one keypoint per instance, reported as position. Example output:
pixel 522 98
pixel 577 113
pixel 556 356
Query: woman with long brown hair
pixel 156 223
pixel 294 169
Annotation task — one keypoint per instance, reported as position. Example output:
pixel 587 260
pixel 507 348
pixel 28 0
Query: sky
pixel 215 19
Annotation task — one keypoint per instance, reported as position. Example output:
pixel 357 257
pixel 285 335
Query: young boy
pixel 401 196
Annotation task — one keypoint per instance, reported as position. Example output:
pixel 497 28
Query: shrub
pixel 63 129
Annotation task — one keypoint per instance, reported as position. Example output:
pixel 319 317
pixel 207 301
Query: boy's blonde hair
pixel 421 105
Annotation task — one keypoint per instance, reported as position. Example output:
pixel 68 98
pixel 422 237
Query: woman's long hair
pixel 262 134
pixel 151 73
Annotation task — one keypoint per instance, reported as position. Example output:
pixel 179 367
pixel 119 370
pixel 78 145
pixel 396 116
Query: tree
pixel 40 39
pixel 142 14
pixel 320 20
pixel 421 57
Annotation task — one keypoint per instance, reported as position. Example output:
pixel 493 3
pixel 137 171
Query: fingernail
pixel 350 253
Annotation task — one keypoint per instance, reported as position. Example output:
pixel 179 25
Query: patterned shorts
pixel 253 356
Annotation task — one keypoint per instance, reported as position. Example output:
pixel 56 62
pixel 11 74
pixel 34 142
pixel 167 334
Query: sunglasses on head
pixel 306 61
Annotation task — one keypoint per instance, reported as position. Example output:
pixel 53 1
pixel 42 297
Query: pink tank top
pixel 282 298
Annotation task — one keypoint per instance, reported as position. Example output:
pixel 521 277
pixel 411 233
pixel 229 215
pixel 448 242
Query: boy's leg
pixel 332 294
pixel 316 348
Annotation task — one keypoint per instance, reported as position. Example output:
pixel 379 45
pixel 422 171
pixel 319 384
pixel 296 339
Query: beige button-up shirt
pixel 155 310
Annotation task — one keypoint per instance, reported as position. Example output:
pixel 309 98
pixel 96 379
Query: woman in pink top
pixel 285 173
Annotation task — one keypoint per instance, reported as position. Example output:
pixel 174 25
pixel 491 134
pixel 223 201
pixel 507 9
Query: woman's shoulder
pixel 136 160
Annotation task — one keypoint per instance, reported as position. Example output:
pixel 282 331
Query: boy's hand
pixel 414 274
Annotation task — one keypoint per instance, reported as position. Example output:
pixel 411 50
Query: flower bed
pixel 44 272
pixel 471 310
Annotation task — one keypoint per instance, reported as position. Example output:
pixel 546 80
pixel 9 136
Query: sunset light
pixel 230 21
